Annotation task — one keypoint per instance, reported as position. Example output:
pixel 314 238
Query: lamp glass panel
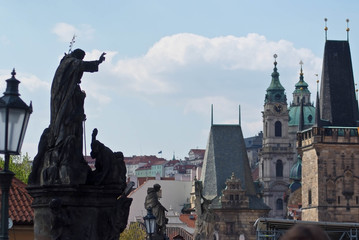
pixel 2 128
pixel 147 223
pixel 26 121
pixel 16 119
pixel 152 225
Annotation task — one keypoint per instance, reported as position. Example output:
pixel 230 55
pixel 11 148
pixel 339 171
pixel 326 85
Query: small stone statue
pixel 206 218
pixel 151 201
pixel 110 166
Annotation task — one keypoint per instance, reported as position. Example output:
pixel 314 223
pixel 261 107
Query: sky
pixel 167 61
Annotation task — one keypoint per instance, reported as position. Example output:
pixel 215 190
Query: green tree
pixel 133 232
pixel 20 165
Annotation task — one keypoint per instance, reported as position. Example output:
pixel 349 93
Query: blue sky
pixel 167 62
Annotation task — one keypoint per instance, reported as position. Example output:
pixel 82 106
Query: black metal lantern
pixel 150 222
pixel 14 116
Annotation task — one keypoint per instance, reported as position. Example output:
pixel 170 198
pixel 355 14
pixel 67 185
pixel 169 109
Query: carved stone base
pixel 78 212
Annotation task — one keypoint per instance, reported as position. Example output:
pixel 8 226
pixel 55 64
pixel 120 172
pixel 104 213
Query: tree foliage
pixel 133 232
pixel 20 165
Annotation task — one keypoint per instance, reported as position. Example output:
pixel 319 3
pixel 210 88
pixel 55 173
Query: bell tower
pixel 276 156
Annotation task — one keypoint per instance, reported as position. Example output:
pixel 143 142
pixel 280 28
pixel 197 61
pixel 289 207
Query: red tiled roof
pixel 20 210
pixel 142 159
pixel 198 151
pixel 172 163
pixel 189 220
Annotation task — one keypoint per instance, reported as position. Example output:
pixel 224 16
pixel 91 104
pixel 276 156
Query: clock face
pixel 278 108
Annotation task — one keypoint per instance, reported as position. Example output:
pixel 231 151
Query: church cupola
pixel 275 91
pixel 301 90
pixel 301 110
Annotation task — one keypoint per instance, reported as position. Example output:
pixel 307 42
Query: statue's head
pixel 157 187
pixel 78 53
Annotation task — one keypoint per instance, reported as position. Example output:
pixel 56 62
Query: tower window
pixel 338 199
pixel 310 118
pixel 356 199
pixel 309 197
pixel 277 97
pixel 279 168
pixel 278 129
pixel 279 204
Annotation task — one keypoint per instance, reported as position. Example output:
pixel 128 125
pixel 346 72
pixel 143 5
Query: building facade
pixel 277 153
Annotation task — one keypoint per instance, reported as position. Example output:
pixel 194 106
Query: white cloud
pixel 158 71
pixel 29 81
pixel 33 83
pixel 66 31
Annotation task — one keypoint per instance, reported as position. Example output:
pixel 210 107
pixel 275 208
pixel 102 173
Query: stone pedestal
pixel 79 212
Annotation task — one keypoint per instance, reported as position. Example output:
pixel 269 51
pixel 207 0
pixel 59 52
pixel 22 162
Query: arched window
pixel 278 129
pixel 279 204
pixel 279 168
pixel 266 131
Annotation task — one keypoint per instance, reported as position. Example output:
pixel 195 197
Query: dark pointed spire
pixel 338 103
pixel 301 116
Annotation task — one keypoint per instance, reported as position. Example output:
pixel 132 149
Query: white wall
pixel 174 195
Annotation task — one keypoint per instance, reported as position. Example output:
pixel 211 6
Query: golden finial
pixel 301 67
pixel 317 81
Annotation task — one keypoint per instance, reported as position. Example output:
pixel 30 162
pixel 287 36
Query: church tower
pixel 276 156
pixel 301 110
pixel 330 149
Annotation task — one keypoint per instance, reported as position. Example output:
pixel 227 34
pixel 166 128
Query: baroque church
pixel 311 151
pixel 280 126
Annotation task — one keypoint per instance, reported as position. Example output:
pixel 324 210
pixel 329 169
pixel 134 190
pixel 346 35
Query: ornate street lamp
pixel 14 116
pixel 150 223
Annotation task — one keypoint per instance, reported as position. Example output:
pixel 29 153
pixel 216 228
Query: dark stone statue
pixel 110 166
pixel 60 159
pixel 152 202
pixel 71 201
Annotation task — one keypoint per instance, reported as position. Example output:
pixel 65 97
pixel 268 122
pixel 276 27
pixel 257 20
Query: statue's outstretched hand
pixel 102 57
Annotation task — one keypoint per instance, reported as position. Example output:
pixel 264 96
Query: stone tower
pixel 276 157
pixel 330 149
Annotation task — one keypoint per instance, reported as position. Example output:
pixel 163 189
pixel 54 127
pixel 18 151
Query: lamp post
pixel 14 116
pixel 150 223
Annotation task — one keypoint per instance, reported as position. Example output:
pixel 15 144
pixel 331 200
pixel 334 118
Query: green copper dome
pixel 275 91
pixel 294 115
pixel 301 96
pixel 296 171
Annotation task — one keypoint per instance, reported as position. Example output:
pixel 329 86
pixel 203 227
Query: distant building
pixel 253 146
pixel 135 162
pixel 170 168
pixel 195 156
